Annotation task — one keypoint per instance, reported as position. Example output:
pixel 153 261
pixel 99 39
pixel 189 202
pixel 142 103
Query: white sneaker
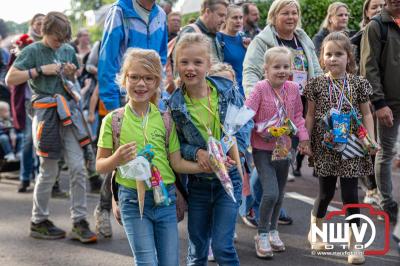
pixel 371 197
pixel 263 247
pixel 291 177
pixel 210 254
pixel 103 223
pixel 10 157
pixel 276 243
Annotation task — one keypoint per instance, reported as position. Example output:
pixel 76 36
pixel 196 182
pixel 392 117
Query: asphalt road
pixel 17 248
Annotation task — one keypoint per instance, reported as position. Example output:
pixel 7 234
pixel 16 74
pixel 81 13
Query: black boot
pixel 23 187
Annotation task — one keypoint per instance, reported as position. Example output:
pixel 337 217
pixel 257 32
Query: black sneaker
pixel 285 220
pixel 80 231
pixel 392 211
pixel 95 183
pixel 23 187
pixel 46 230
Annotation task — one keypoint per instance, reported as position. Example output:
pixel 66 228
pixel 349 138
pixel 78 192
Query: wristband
pixel 30 73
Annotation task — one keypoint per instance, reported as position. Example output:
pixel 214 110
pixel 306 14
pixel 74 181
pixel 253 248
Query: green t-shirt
pixel 132 130
pixel 201 115
pixel 37 54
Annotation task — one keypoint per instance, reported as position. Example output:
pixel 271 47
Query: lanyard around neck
pixel 339 93
pixel 143 125
pixel 279 101
pixel 281 43
pixel 210 113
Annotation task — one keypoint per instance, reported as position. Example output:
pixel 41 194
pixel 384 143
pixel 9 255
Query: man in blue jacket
pixel 129 23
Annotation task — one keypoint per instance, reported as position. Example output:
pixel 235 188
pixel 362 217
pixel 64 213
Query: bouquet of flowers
pixel 217 159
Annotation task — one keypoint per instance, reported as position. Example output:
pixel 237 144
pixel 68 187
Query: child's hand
pixel 125 153
pixel 229 163
pixel 373 148
pixel 69 69
pixel 305 148
pixel 203 160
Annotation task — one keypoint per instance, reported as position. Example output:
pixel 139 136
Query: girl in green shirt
pixel 153 237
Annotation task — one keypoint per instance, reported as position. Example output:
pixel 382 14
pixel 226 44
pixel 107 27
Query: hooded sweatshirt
pixel 124 28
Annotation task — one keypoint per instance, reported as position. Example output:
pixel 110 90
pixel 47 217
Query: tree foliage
pixel 314 12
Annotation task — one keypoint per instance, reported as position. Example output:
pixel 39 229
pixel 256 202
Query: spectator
pixel 120 33
pixel 337 19
pixel 233 43
pixel 21 113
pixel 166 6
pixel 123 20
pixel 379 64
pixel 36 65
pixel 251 16
pixel 212 17
pixel 10 139
pixel 370 9
pixel 283 29
pixel 174 25
pixel 35 27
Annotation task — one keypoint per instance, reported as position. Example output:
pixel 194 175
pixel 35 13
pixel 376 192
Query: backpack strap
pixel 166 117
pixel 117 118
pixel 383 28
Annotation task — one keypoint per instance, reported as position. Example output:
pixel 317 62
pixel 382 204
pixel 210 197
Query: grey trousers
pixel 273 176
pixel 48 170
pixel 387 137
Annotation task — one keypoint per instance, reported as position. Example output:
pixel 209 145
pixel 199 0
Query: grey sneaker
pixel 276 243
pixel 46 230
pixel 263 247
pixel 81 231
pixel 103 223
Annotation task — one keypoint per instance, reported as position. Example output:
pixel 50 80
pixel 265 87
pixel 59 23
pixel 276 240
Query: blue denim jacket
pixel 189 136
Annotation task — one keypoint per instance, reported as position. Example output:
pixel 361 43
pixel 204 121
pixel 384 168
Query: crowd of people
pixel 152 97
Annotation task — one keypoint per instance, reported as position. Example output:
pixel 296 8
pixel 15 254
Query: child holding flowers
pixel 153 234
pixel 278 108
pixel 199 109
pixel 342 132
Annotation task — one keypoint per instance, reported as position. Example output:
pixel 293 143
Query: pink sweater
pixel 262 101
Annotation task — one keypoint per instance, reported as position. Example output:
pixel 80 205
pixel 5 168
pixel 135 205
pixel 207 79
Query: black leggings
pixel 327 186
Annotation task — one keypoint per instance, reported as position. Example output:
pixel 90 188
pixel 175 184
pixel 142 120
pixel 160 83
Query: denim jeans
pixel 212 214
pixel 387 137
pixel 27 157
pixel 273 176
pixel 153 239
pixel 5 143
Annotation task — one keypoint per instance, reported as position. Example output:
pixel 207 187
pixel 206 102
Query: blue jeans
pixel 212 214
pixel 5 143
pixel 153 239
pixel 27 157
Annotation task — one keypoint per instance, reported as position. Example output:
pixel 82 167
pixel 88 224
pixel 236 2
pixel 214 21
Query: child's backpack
pixel 116 125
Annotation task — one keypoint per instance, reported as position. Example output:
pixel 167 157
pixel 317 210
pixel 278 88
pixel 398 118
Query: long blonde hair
pixel 149 60
pixel 332 9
